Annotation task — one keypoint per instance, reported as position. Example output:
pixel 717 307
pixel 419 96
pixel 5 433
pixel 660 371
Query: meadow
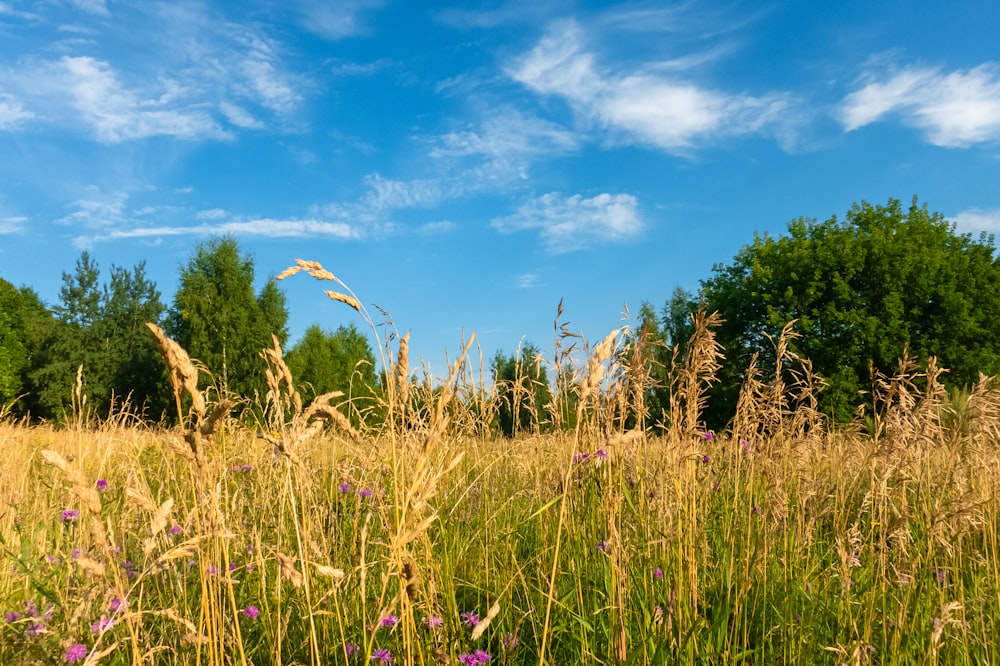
pixel 286 530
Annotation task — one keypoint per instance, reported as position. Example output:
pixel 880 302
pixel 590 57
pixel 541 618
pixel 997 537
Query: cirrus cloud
pixel 567 224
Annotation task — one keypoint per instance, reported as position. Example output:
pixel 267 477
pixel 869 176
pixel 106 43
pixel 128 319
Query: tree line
pixel 884 282
pixel 99 326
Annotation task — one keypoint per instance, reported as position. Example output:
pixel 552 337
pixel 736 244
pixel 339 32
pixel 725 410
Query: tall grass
pixel 309 537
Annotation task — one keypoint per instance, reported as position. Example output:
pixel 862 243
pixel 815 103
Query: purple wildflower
pixel 212 570
pixel 344 488
pixel 709 435
pixel 601 454
pixel 510 641
pixel 389 621
pixel 658 573
pixel 117 604
pixel 70 515
pixel 102 485
pixel 433 622
pixel 34 629
pixel 603 545
pixel 757 511
pixel 745 445
pixel 75 652
pixel 382 656
pixel 175 530
pixel 250 612
pixel 237 468
pixel 12 617
pixel 350 649
pixel 475 658
pixel 581 458
pixel 104 624
pixel 705 459
pixel 365 493
pixel 470 619
pixel 246 468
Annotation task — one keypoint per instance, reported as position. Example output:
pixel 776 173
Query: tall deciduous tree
pixel 25 325
pixel 861 289
pixel 219 319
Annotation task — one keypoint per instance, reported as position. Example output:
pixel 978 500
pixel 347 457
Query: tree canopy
pixel 219 319
pixel 862 290
pixel 523 392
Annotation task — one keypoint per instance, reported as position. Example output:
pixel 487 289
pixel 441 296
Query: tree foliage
pixel 343 360
pixel 219 319
pixel 522 391
pixel 862 290
pixel 25 324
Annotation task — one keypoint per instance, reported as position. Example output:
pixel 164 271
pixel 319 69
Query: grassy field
pixel 426 540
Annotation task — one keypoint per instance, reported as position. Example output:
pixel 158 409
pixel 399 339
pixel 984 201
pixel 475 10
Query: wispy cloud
pixel 574 223
pixel 98 7
pixel 239 116
pixel 336 20
pixel 527 280
pixel 955 109
pixel 12 225
pixel 12 112
pixel 644 105
pixel 265 227
pixel 974 221
pixel 116 113
pixel 507 133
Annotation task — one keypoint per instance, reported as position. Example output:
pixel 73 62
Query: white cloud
pixel 98 211
pixel 956 109
pixel 12 112
pixel 646 105
pixel 211 214
pixel 507 133
pixel 98 7
pixel 12 225
pixel 239 116
pixel 527 280
pixel 336 20
pixel 264 227
pixel 118 114
pixel 974 221
pixel 574 223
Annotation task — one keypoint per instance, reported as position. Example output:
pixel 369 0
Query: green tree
pixel 102 328
pixel 219 319
pixel 137 371
pixel 861 290
pixel 522 391
pixel 342 360
pixel 25 324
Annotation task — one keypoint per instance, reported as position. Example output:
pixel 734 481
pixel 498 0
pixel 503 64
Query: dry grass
pixel 784 539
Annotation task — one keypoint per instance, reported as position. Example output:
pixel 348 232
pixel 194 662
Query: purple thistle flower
pixel 745 445
pixel 70 515
pixel 365 493
pixel 102 485
pixel 12 617
pixel 104 624
pixel 705 459
pixel 658 573
pixel 212 570
pixel 350 649
pixel 382 656
pixel 470 619
pixel 117 604
pixel 581 458
pixel 250 612
pixel 389 621
pixel 510 641
pixel 246 468
pixel 175 530
pixel 601 454
pixel 602 545
pixel 475 658
pixel 34 629
pixel 344 488
pixel 433 622
pixel 75 652
pixel 757 511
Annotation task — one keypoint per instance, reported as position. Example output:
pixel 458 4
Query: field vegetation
pixel 394 523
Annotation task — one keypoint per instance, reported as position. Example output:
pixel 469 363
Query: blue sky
pixel 465 166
